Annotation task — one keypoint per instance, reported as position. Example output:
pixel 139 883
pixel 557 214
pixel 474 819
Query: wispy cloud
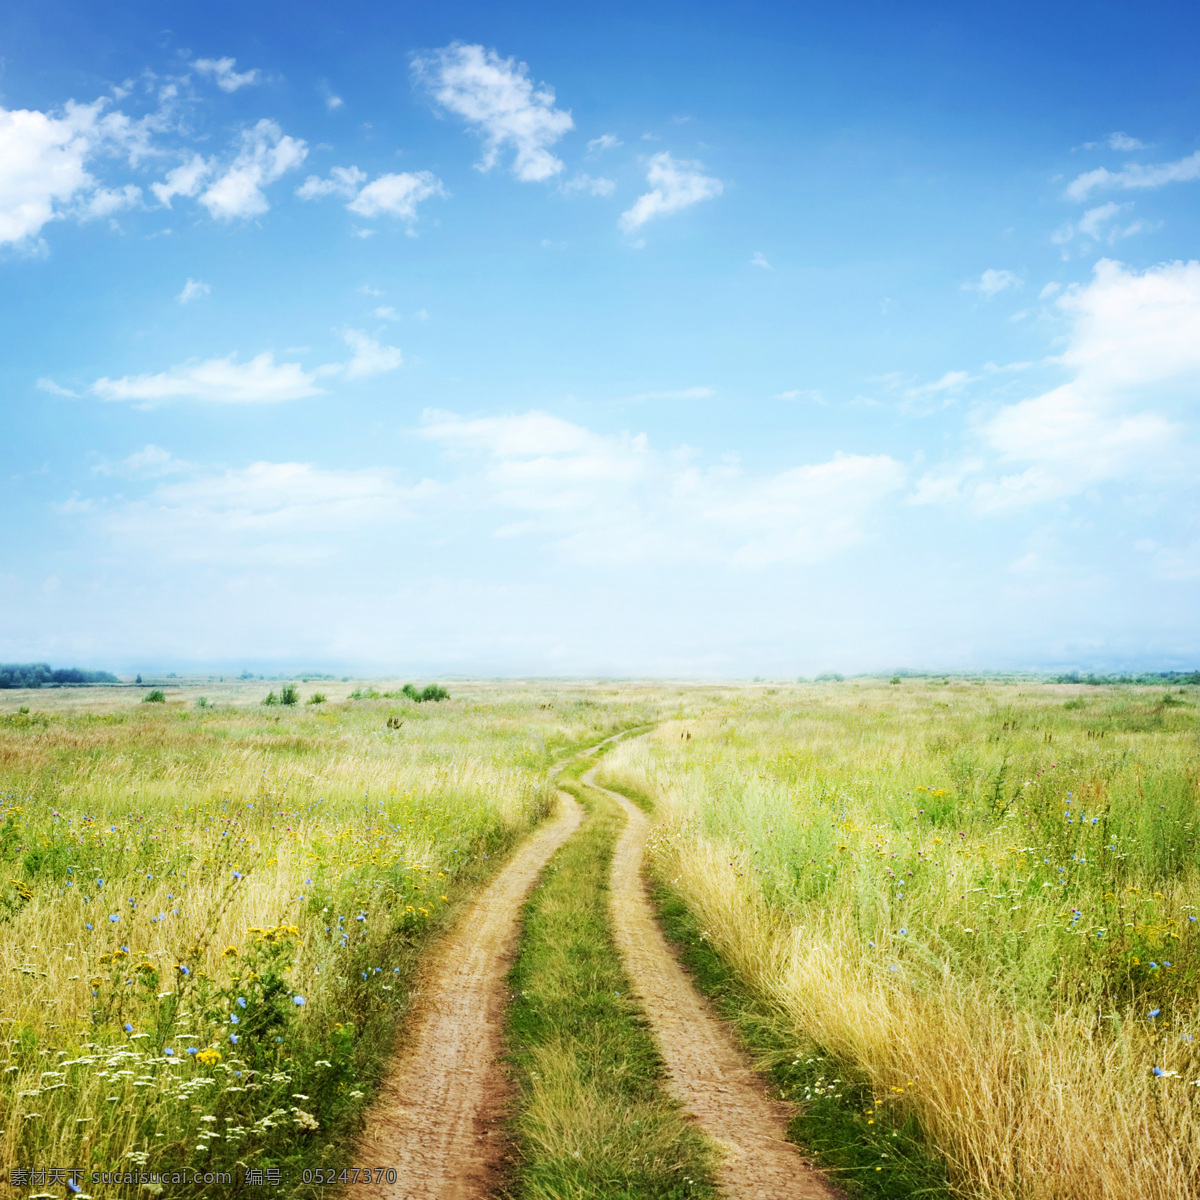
pixel 194 289
pixel 760 260
pixel 992 283
pixel 1136 176
pixel 497 98
pixel 223 75
pixel 606 141
pixel 675 184
pixel 216 380
pixel 593 186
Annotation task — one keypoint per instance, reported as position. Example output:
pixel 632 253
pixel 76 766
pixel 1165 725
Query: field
pixel 979 901
pixel 965 913
pixel 210 916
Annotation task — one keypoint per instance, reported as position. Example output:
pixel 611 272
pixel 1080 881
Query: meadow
pixel 211 913
pixel 971 906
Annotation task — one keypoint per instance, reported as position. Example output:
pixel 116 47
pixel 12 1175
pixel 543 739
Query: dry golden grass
pixel 1028 1058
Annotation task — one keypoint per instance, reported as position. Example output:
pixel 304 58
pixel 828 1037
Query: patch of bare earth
pixel 438 1117
pixel 708 1070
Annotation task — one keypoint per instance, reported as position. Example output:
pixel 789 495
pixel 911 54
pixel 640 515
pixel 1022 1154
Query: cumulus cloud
pixel 675 184
pixel 183 180
pixel 390 195
pixel 223 75
pixel 194 289
pixel 266 154
pixel 613 499
pixel 215 380
pixel 1135 176
pixel 44 161
pixel 992 283
pixel 1133 355
pixel 497 98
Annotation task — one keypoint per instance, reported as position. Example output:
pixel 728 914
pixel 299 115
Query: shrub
pixel 202 702
pixel 288 694
pixel 158 696
pixel 316 698
pixel 430 692
pixel 271 698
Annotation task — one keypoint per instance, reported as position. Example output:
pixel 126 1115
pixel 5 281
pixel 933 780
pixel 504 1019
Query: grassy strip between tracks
pixel 593 1119
pixel 838 1123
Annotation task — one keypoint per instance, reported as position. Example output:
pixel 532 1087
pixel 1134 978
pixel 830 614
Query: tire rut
pixel 708 1071
pixel 438 1119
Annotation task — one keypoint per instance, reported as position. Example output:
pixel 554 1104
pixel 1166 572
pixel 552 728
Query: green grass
pixel 884 1160
pixel 593 1119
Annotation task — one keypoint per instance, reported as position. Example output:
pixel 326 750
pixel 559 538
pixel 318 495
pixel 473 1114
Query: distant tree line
pixel 1145 677
pixel 36 675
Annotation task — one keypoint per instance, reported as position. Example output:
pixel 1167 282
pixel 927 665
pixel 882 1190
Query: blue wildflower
pixel 169 1052
pixel 233 1037
pixel 89 924
pixel 128 1027
pixel 114 917
pixel 298 1001
pixel 234 1019
pixel 192 1050
pixel 241 1002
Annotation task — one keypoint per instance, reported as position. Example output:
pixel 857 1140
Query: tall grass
pixel 209 917
pixel 979 899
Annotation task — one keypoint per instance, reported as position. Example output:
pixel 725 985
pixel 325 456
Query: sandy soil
pixel 708 1070
pixel 438 1118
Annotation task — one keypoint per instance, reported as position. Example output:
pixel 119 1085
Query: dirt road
pixel 437 1119
pixel 708 1070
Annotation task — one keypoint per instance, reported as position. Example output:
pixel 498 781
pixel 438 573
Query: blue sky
pixel 651 339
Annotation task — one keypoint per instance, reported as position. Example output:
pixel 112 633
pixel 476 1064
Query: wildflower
pixel 237 875
pixel 184 970
pixel 364 974
pixel 298 1001
pixel 89 924
pixel 114 917
pixel 1155 1011
pixel 235 1019
pixel 169 1052
pixel 904 933
pixel 128 1027
pixel 192 1050
pixel 241 1001
pixel 233 1038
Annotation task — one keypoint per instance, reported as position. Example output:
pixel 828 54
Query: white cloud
pixel 593 186
pixel 951 381
pixel 223 74
pixel 150 462
pixel 606 141
pixel 676 184
pixel 396 195
pixel 760 260
pixel 49 386
pixel 613 499
pixel 194 289
pixel 1134 358
pixel 266 154
pixel 370 358
pixel 1089 224
pixel 218 380
pixel 497 98
pixel 1049 290
pixel 993 282
pixel 184 180
pixel 1122 141
pixel 1136 176
pixel 333 103
pixel 385 312
pixel 343 181
pixel 389 195
pixel 43 165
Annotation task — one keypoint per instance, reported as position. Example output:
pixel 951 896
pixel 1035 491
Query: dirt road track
pixel 438 1116
pixel 708 1071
